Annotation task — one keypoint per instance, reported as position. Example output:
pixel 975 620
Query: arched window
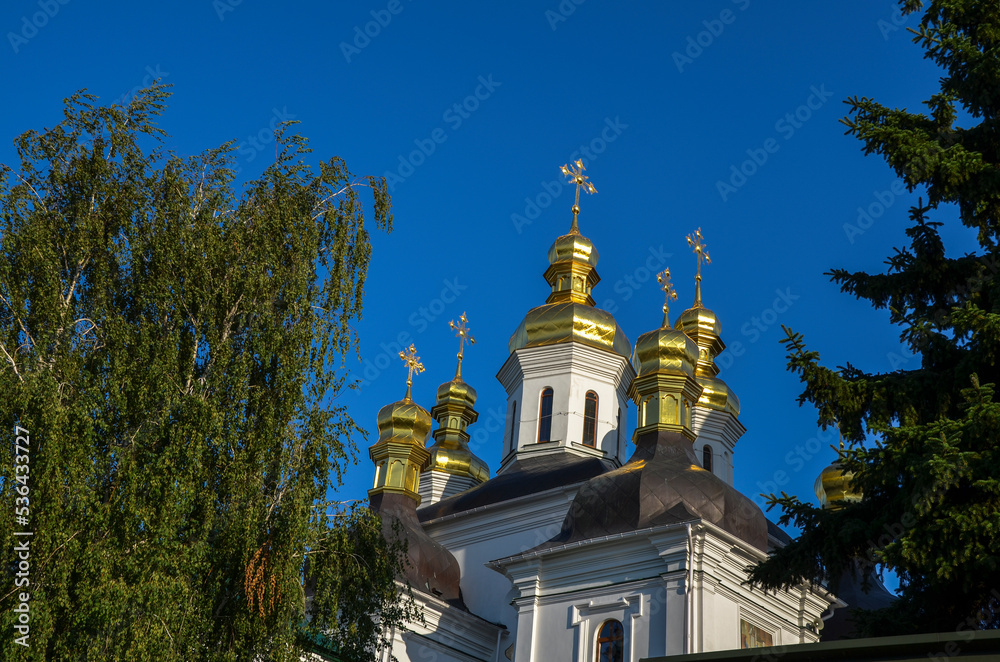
pixel 545 416
pixel 706 457
pixel 619 424
pixel 611 642
pixel 590 420
pixel 513 426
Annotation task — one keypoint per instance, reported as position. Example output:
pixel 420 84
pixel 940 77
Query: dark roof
pixel 851 590
pixel 525 476
pixel 776 531
pixel 662 483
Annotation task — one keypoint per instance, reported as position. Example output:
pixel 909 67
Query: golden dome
pixel 456 391
pixel 450 451
pixel 717 395
pixel 573 247
pixel 403 421
pixel 556 323
pixel 833 486
pixel 699 321
pixel 664 350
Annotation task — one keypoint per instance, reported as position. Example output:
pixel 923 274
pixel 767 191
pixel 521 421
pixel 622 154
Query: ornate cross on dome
pixel 698 246
pixel 462 333
pixel 413 363
pixel 576 176
pixel 668 293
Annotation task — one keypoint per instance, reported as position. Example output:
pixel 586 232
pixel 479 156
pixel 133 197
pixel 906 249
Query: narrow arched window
pixel 619 424
pixel 706 457
pixel 513 425
pixel 545 416
pixel 611 642
pixel 590 420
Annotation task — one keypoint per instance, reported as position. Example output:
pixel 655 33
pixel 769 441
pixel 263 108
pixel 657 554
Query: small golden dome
pixel 664 350
pixel 456 391
pixel 699 320
pixel 573 247
pixel 459 461
pixel 555 323
pixel 833 486
pixel 404 420
pixel 717 395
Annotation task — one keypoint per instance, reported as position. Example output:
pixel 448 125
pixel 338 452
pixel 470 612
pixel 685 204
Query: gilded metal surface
pixel 663 278
pixel 666 350
pixel 413 364
pixel 462 333
pixel 403 427
pixel 700 250
pixel 717 395
pixel 454 413
pixel 556 323
pixel 576 176
pixel 833 487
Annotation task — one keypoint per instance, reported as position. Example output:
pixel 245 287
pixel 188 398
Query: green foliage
pixel 922 442
pixel 173 349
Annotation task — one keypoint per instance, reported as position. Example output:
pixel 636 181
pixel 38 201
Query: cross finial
pixel 697 244
pixel 413 364
pixel 462 333
pixel 668 293
pixel 575 176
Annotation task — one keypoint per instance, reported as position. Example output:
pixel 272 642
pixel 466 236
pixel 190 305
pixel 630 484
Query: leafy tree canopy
pixel 173 348
pixel 923 443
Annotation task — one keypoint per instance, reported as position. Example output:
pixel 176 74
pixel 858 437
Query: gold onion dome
pixel 665 388
pixel 834 487
pixel 399 452
pixel 453 411
pixel 702 326
pixel 569 314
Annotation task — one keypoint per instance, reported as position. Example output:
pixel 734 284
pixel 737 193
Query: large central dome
pixel 570 322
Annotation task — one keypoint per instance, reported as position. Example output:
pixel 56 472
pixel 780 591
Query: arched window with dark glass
pixel 611 642
pixel 590 420
pixel 619 424
pixel 706 457
pixel 545 416
pixel 513 425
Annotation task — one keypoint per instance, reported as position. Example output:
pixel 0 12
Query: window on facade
pixel 706 457
pixel 611 642
pixel 513 426
pixel 590 420
pixel 619 425
pixel 545 416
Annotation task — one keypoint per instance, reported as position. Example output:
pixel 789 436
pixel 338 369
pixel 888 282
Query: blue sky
pixel 720 115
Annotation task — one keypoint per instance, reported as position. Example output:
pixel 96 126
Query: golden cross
pixel 668 293
pixel 700 249
pixel 413 363
pixel 462 333
pixel 576 176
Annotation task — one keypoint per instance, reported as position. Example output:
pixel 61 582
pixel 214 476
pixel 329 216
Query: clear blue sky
pixel 668 98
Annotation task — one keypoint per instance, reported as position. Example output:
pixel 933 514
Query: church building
pixel 573 551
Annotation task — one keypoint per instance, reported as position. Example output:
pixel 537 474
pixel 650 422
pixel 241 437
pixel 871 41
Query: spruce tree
pixel 169 352
pixel 922 442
